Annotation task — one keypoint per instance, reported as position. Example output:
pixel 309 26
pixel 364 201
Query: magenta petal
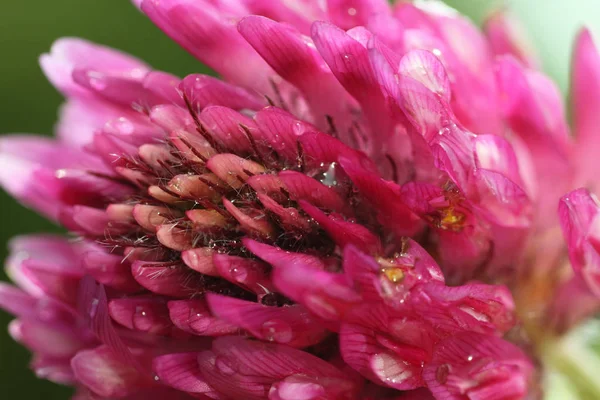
pixel 203 91
pixel 182 372
pixel 578 212
pixel 211 37
pixel 100 371
pixel 16 301
pixel 585 93
pixel 385 197
pixel 246 369
pixel 327 295
pixel 57 370
pixel 163 86
pixel 427 69
pixel 281 258
pixel 246 273
pixel 115 89
pixel 281 130
pixel 228 128
pixel 296 60
pixel 362 351
pixel 161 278
pixel 473 306
pixel 290 325
pixel 297 387
pixel 343 232
pixel 69 53
pixel 301 187
pixel 50 340
pixel 507 36
pixel 143 314
pixel 478 366
pixel 350 13
pixel 193 316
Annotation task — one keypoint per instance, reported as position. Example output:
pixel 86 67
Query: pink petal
pixel 578 212
pixel 228 128
pixel 143 314
pixel 343 232
pixel 233 170
pixel 100 371
pixel 350 13
pixel 361 350
pixel 508 36
pixel 295 59
pixel 51 340
pixel 182 372
pixel 16 301
pixel 279 257
pixel 203 91
pixel 427 69
pixel 246 369
pixel 385 197
pixel 478 366
pixel 246 273
pixel 326 294
pixel 164 279
pixel 585 91
pixel 281 130
pixel 212 38
pixel 473 306
pixel 193 316
pixel 67 54
pixel 290 325
pixel 301 187
pixel 201 260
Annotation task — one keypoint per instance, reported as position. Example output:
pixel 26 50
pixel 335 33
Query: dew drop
pixel 329 178
pixel 94 307
pixel 96 80
pixel 238 274
pixel 277 331
pixel 470 358
pixel 124 126
pixel 444 131
pixel 298 129
pixel 352 11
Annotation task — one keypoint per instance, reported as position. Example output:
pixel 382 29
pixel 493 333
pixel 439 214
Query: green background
pixel 28 103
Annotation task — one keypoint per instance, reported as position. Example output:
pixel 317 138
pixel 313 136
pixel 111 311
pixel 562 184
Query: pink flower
pixel 363 207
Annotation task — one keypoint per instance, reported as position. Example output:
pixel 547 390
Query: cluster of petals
pixel 367 205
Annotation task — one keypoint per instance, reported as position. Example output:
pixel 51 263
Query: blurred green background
pixel 28 103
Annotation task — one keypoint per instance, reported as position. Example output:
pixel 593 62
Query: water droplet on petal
pixel 298 129
pixel 239 274
pixel 94 307
pixel 96 80
pixel 277 331
pixel 444 131
pixel 352 11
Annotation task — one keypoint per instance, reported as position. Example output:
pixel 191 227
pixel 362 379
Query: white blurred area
pixel 551 24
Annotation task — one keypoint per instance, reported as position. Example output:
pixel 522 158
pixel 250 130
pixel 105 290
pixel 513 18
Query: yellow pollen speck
pixel 394 275
pixel 451 219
